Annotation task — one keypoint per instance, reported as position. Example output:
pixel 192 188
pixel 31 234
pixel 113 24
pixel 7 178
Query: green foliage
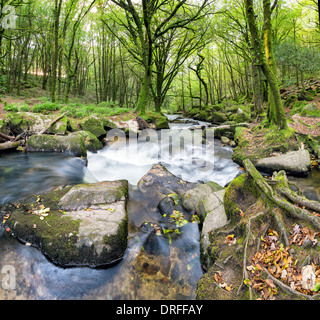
pixel 16 107
pixel 298 107
pixel 305 59
pixel 46 107
pixel 80 111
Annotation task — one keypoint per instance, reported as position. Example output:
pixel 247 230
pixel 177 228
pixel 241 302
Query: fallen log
pixel 6 137
pixel 10 145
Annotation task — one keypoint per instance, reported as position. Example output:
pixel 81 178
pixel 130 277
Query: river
pixel 25 174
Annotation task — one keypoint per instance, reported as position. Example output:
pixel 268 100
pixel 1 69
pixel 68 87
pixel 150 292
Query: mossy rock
pixel 310 110
pixel 240 116
pixel 92 143
pixel 162 124
pixel 97 125
pixel 60 127
pixel 16 122
pixel 93 125
pixel 156 118
pixel 217 117
pixel 93 236
pixel 72 144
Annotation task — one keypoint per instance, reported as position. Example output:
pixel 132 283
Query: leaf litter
pixel 278 262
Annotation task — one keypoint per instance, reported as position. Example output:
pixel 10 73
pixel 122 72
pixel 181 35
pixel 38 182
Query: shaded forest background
pixel 160 55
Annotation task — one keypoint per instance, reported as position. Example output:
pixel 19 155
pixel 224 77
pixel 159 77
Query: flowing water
pixel 137 276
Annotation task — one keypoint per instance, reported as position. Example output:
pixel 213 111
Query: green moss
pixel 162 124
pixel 72 144
pixel 240 194
pixel 92 143
pixel 93 125
pixel 55 233
pixel 60 127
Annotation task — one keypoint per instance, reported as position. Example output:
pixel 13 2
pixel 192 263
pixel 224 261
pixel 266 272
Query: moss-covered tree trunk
pixel 276 113
pixel 144 92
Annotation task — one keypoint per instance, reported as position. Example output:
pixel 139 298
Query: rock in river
pixel 82 225
pixel 293 162
pixel 73 144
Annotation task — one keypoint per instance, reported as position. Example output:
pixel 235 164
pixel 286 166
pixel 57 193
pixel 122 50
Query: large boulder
pixel 159 180
pixel 97 126
pixel 215 218
pixel 293 162
pixel 83 225
pixel 206 201
pixel 92 143
pixel 73 144
pixel 201 199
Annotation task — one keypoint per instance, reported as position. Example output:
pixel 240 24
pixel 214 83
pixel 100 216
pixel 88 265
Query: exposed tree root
pixel 248 235
pixel 285 287
pixel 271 195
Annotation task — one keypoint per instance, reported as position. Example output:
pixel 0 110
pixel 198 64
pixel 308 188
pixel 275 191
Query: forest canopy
pixel 160 54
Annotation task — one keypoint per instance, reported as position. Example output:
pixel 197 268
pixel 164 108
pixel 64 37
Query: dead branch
pixel 52 123
pixel 6 137
pixel 10 145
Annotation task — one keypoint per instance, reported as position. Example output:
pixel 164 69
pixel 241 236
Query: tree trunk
pixel 276 113
pixel 57 11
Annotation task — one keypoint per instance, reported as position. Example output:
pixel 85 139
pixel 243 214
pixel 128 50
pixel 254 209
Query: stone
pixel 91 142
pixel 201 199
pixel 225 140
pixel 308 277
pixel 84 195
pixel 97 126
pixel 159 180
pixel 84 225
pixel 310 109
pixel 142 124
pixel 73 144
pixel 293 162
pixel 207 202
pixel 215 218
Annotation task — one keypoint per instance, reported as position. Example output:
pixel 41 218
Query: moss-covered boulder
pixel 217 117
pixel 83 225
pixel 72 144
pixel 201 199
pixel 60 127
pixel 157 119
pixel 92 143
pixel 19 122
pixel 96 125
